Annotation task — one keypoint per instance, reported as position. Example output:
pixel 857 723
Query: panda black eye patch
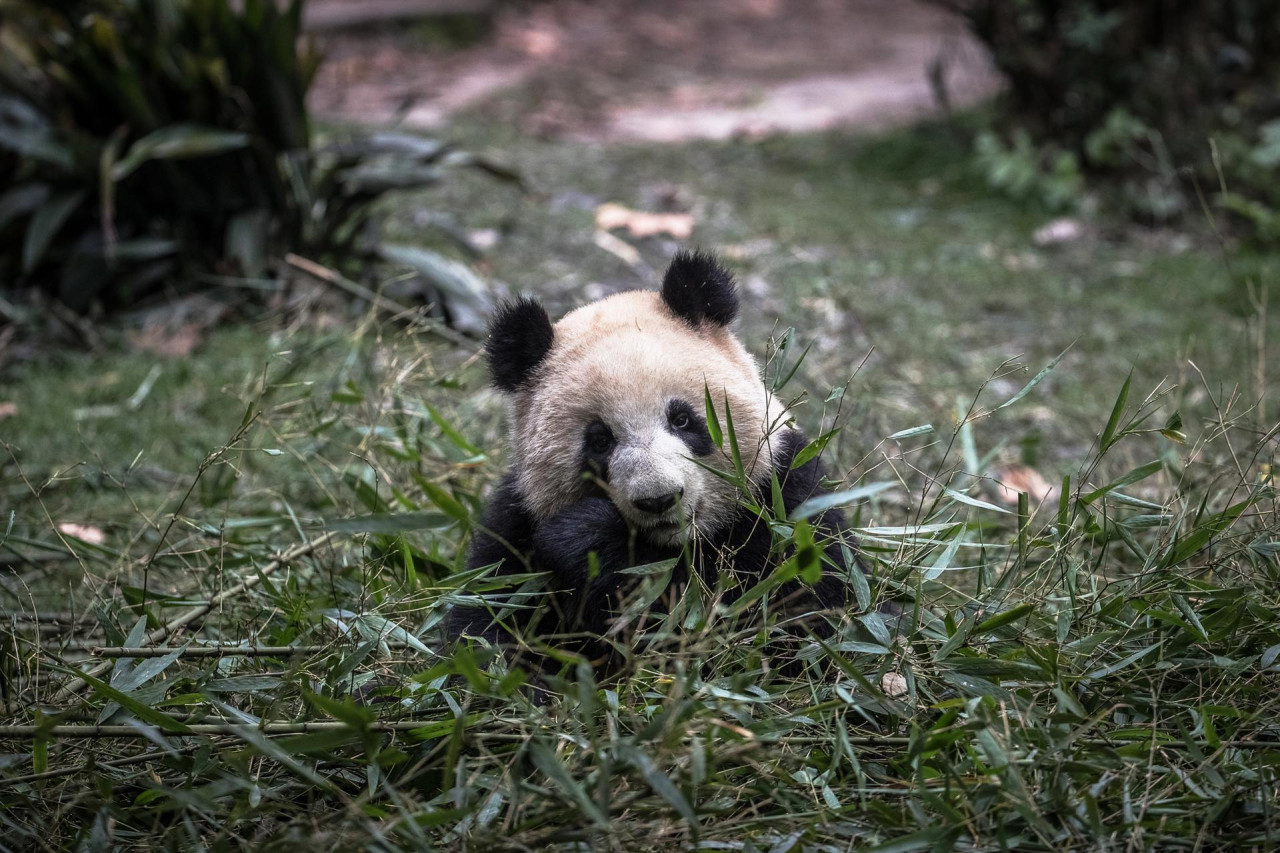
pixel 598 441
pixel 684 421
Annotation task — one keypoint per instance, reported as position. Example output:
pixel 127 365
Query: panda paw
pixel 592 525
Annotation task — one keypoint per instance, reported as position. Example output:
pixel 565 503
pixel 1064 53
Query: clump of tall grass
pixel 262 665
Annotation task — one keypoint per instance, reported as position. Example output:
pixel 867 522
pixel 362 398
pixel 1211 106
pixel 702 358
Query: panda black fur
pixel 607 436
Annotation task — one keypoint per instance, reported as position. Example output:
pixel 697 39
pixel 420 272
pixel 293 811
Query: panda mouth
pixel 666 531
pixel 668 528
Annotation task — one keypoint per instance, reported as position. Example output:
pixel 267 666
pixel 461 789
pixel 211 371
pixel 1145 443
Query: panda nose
pixel 659 504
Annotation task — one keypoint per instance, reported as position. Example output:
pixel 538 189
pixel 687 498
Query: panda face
pixel 648 466
pixel 611 400
pixel 616 406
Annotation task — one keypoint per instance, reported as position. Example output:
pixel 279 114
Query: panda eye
pixel 599 438
pixel 680 420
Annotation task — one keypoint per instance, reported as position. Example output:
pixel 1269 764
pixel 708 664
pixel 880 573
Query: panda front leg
pixel 585 547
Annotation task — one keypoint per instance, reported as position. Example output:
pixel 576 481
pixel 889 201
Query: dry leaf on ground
pixel 83 532
pixel 893 685
pixel 165 340
pixel 8 410
pixel 1064 230
pixel 620 249
pixel 643 224
pixel 1008 482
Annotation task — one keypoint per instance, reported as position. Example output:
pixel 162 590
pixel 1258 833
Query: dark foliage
pixel 1139 90
pixel 140 139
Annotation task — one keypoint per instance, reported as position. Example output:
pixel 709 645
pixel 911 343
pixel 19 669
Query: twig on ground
pixel 221 651
pixel 323 274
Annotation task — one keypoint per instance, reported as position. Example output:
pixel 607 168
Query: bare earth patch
pixel 667 71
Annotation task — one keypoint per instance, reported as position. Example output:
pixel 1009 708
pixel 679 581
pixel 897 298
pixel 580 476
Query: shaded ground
pixel 667 70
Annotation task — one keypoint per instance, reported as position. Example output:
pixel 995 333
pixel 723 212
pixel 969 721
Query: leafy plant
pixel 142 138
pixel 1137 90
pixel 1023 171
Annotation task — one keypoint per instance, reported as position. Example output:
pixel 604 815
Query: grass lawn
pixel 1097 671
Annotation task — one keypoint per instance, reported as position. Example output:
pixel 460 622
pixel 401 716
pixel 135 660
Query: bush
pixel 1138 91
pixel 143 138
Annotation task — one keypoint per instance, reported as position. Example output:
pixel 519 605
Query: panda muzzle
pixel 658 504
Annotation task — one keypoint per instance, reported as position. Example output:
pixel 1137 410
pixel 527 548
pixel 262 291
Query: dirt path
pixel 666 70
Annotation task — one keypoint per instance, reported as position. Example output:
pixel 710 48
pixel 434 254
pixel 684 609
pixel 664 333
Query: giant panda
pixel 610 450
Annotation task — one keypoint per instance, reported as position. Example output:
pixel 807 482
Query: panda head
pixel 612 398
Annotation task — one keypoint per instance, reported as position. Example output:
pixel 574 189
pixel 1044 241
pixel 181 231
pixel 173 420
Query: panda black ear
pixel 697 287
pixel 520 336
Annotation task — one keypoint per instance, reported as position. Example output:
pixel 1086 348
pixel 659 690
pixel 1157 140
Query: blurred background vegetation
pixel 1166 105
pixel 151 142
pixel 143 142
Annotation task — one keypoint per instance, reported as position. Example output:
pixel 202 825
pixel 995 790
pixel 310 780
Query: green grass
pixel 1096 673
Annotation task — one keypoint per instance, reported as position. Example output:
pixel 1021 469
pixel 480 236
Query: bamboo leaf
pixel 813 448
pixel 177 142
pixel 1005 617
pixel 1142 472
pixel 45 224
pixel 1113 423
pixel 1035 380
pixel 392 522
pixel 713 422
pixel 822 503
pixel 910 432
pixel 974 502
pixel 546 761
pixel 658 781
pixel 131 704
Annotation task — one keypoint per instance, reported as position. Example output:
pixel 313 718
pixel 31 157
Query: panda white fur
pixel 608 444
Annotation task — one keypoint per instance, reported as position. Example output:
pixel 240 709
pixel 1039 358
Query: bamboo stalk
pixel 59 617
pixel 75 684
pixel 389 726
pixel 113 763
pixel 221 651
pixel 111 730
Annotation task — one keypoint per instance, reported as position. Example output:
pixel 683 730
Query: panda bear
pixel 610 453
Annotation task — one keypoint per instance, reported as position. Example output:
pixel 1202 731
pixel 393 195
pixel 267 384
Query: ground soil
pixel 665 70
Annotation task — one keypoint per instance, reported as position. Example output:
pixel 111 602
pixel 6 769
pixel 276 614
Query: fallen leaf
pixel 1020 478
pixel 618 248
pixel 165 340
pixel 644 224
pixel 83 532
pixel 763 8
pixel 175 328
pixel 483 239
pixel 539 40
pixel 1057 232
pixel 8 410
pixel 893 685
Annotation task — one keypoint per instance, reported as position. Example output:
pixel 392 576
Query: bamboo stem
pixel 93 765
pixel 74 685
pixel 388 726
pixel 111 730
pixel 220 651
pixel 395 309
